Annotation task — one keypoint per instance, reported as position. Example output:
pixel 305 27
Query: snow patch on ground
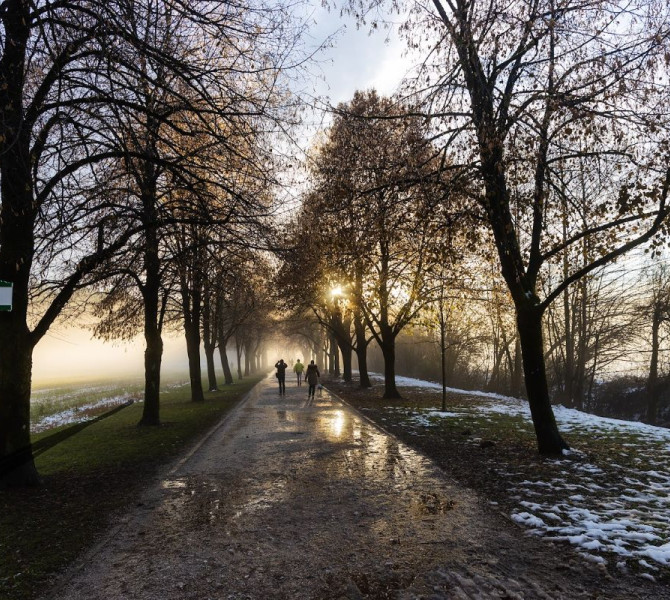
pixel 78 414
pixel 420 383
pixel 614 509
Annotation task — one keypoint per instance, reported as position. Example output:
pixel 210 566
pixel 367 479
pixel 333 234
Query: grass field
pixel 92 476
pixel 60 403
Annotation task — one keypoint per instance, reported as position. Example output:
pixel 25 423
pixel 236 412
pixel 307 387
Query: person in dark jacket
pixel 312 378
pixel 281 375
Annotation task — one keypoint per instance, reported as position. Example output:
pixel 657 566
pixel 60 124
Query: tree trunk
pixel 528 313
pixel 443 353
pixel 321 350
pixel 209 341
pixel 17 467
pixel 588 395
pixel 517 371
pixel 336 357
pixel 388 351
pixel 256 357
pixel 238 352
pixel 17 219
pixel 223 355
pixel 227 374
pixel 493 384
pixel 581 354
pixel 192 334
pixel 346 361
pixel 191 308
pixel 331 353
pixel 362 353
pixel 153 353
pixel 359 330
pixel 652 380
pixel 568 312
pixel 250 362
pixel 212 384
pixel 549 440
pixel 363 375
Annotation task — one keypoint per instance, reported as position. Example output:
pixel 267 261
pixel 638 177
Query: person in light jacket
pixel 312 378
pixel 298 368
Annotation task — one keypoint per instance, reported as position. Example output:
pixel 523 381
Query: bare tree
pixel 524 94
pixel 376 192
pixel 91 88
pixel 53 143
pixel 658 308
pixel 234 306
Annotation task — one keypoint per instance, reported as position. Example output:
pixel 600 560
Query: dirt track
pixel 291 499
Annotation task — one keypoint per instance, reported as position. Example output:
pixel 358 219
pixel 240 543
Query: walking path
pixel 297 499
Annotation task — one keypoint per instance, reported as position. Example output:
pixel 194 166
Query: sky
pixel 355 60
pixel 72 353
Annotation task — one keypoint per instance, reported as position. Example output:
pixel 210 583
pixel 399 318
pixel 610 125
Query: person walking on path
pixel 281 375
pixel 298 368
pixel 312 378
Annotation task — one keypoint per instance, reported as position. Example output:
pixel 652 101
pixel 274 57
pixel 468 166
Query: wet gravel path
pixel 296 499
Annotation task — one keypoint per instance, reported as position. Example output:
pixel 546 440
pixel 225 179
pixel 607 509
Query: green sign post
pixel 5 295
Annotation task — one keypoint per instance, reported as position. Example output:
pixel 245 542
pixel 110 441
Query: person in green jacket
pixel 299 368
